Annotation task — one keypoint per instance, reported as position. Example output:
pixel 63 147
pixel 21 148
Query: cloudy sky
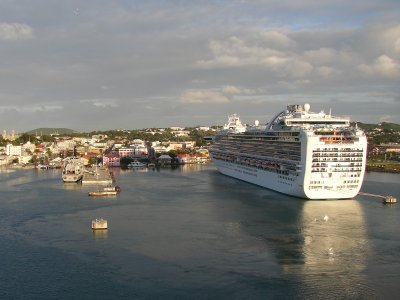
pixel 103 64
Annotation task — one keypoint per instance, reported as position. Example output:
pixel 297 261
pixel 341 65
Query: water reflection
pixel 334 245
pixel 72 185
pixel 334 233
pixel 100 233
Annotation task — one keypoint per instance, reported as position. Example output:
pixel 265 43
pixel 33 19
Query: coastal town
pixel 156 146
pixel 119 148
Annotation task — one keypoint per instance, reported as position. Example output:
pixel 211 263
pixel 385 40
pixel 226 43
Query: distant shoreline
pixel 384 169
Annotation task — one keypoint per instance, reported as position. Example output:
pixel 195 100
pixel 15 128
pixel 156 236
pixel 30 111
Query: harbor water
pixel 192 233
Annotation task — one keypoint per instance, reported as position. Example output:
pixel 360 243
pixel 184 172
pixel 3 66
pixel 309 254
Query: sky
pixel 102 64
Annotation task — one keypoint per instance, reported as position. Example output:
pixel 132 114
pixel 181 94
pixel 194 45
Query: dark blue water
pixel 191 233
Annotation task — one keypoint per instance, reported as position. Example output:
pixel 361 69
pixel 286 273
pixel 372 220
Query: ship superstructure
pixel 299 153
pixel 234 125
pixel 73 169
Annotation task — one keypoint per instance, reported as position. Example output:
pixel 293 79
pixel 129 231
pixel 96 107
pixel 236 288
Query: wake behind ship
pixel 299 153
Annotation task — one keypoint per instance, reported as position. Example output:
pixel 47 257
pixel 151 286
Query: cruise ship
pixel 298 153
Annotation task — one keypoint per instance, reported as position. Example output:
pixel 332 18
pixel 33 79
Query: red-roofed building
pixel 111 160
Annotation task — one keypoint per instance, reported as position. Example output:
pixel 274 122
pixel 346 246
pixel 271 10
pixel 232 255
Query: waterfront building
pixel 164 159
pixel 4 160
pixel 126 151
pixel 24 159
pixel 28 147
pixel 111 160
pixel 12 150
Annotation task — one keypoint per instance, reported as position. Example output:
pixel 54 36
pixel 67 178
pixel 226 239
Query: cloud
pixel 385 38
pixel 234 90
pixel 277 39
pixel 35 108
pixel 225 94
pixel 327 71
pixel 148 59
pixel 204 96
pixel 102 103
pixel 383 66
pixel 15 31
pixel 236 52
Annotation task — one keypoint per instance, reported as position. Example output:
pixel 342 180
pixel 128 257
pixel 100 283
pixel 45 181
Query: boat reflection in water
pixel 334 250
pixel 100 233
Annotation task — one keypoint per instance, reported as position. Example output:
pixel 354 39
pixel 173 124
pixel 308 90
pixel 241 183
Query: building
pixel 28 147
pixel 164 159
pixel 391 147
pixel 126 151
pixel 12 150
pixel 133 151
pixel 111 160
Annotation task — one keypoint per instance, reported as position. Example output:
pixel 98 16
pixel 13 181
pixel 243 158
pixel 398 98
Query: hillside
pixel 384 126
pixel 49 131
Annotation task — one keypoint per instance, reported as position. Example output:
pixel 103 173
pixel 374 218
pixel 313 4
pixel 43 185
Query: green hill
pixel 384 126
pixel 49 131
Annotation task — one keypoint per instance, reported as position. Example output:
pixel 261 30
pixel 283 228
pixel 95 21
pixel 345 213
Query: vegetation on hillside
pixel 51 131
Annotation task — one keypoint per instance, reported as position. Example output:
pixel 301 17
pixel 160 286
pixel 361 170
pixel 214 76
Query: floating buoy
pixel 389 200
pixel 386 199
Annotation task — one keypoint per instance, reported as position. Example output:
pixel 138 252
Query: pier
pixel 386 199
pixel 97 176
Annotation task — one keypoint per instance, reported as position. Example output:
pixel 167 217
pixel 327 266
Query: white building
pixel 137 142
pixel 24 159
pixel 203 128
pixel 4 160
pixel 28 146
pixel 66 145
pixel 12 150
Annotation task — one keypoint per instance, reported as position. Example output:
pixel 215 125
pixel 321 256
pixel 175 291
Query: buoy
pixel 326 218
pixel 389 200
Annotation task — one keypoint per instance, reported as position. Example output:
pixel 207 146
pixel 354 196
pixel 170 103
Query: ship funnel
pixel 307 107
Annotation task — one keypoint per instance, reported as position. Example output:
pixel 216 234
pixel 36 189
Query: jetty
pixel 98 175
pixel 386 199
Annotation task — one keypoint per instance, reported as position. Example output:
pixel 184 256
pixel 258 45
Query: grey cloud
pixel 154 63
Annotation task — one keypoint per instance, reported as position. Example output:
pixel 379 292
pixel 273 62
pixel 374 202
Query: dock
pixel 98 175
pixel 386 199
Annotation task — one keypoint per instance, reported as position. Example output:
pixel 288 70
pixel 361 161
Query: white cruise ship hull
pixel 279 183
pixel 259 177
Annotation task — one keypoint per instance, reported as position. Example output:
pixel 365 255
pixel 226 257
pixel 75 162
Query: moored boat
pixel 73 169
pixel 136 164
pixel 99 224
pixel 107 191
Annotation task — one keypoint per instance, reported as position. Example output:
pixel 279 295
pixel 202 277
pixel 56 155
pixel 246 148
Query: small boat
pixel 136 164
pixel 151 165
pixel 98 224
pixel 107 191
